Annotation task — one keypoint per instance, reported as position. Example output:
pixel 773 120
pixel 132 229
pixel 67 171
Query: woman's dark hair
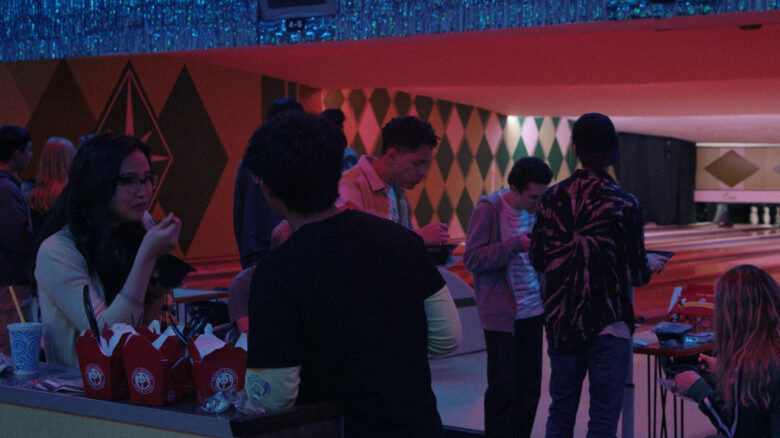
pixel 84 207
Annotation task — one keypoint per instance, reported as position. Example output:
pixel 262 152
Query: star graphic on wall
pixel 128 111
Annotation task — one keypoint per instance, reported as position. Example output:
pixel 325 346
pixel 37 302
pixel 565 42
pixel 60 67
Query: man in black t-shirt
pixel 350 306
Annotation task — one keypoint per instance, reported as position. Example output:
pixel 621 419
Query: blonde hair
pixel 747 335
pixel 53 169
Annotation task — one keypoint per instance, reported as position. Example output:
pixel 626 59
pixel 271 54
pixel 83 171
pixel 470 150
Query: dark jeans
pixel 605 360
pixel 514 378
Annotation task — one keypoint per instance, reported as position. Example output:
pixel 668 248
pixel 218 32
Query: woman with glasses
pixel 96 238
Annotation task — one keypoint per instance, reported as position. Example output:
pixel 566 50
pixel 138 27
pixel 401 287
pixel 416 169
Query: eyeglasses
pixel 132 184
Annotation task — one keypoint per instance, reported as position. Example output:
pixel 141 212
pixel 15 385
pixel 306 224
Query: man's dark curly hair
pixel 298 156
pixel 529 170
pixel 408 134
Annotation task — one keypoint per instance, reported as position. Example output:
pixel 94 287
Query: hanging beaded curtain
pixel 35 29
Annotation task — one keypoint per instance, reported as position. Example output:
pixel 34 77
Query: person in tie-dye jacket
pixel 588 241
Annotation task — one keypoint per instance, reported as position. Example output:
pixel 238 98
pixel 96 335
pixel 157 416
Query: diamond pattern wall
pixel 475 153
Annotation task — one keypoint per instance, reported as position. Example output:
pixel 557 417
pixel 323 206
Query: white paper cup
pixel 25 339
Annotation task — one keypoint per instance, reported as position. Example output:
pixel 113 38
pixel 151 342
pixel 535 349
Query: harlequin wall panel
pixel 197 118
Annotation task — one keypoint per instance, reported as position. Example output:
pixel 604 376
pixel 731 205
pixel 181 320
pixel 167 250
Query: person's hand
pixel 656 262
pixel 707 363
pixel 163 237
pixel 684 381
pixel 281 233
pixel 434 233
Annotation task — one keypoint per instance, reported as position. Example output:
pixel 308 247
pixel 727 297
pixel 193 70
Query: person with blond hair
pixel 746 399
pixel 53 169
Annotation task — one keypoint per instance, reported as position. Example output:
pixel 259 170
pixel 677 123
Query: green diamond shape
pixel 333 99
pixel 465 208
pixel 445 209
pixel 502 156
pixel 484 157
pixel 445 109
pixel 538 121
pixel 444 157
pixel 555 158
pixel 357 100
pixel 520 151
pixel 380 102
pixel 424 106
pixel 502 120
pixel 539 152
pixel 464 112
pixel 483 115
pixel 358 145
pixel 402 103
pixel 465 158
pixel 556 121
pixel 424 210
pixel 571 159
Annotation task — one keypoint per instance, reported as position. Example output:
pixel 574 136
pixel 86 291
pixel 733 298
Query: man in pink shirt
pixel 376 185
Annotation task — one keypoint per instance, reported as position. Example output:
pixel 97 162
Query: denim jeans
pixel 605 359
pixel 514 378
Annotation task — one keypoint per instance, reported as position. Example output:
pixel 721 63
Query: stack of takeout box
pixel 156 368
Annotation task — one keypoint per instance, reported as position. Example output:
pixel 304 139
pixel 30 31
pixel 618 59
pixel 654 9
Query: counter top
pixel 186 416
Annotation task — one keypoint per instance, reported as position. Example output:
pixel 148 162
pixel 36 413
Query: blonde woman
pixel 53 169
pixel 746 398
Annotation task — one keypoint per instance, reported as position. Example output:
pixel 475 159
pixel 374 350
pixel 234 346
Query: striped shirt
pixel 520 274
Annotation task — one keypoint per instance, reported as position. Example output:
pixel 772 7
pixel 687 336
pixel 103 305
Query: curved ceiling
pixel 702 78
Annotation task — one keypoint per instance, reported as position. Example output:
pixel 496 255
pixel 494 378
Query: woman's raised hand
pixel 163 237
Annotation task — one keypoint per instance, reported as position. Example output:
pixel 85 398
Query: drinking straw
pixel 16 303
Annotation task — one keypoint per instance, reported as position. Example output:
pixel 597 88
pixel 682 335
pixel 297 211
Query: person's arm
pixel 238 299
pixel 274 354
pixel 709 401
pixel 16 232
pixel 273 388
pixel 444 330
pixel 635 247
pixel 61 272
pixel 483 255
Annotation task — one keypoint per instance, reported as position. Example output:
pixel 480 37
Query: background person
pixel 17 241
pixel 376 185
pixel 53 169
pixel 95 237
pixel 509 301
pixel 589 242
pixel 746 399
pixel 253 219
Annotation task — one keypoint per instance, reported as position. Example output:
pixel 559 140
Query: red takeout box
pixel 221 370
pixel 103 376
pixel 150 375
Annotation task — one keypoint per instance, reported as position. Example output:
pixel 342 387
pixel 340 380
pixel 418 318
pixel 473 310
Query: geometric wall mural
pixel 475 153
pixel 197 117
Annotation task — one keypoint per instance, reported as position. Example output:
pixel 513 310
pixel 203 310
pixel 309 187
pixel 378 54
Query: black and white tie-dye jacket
pixel 589 242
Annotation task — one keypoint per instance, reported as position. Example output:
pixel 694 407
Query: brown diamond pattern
pixel 731 168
